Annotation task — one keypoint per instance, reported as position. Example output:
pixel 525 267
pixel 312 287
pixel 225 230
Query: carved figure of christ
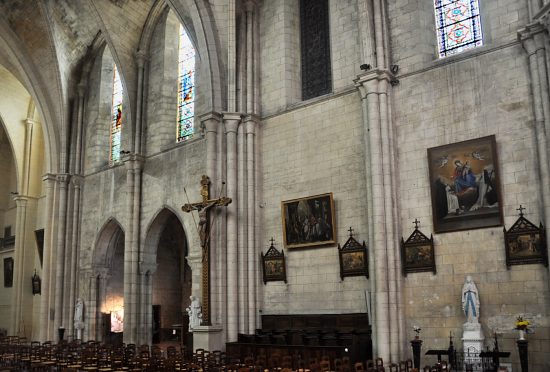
pixel 203 208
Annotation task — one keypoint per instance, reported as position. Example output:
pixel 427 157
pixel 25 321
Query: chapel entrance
pixel 171 282
pixel 108 285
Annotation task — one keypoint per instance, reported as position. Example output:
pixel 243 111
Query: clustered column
pixel 535 39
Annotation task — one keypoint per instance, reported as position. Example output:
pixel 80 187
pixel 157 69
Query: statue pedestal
pixel 472 341
pixel 208 338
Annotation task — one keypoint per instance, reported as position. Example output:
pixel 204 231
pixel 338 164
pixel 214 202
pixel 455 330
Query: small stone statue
pixel 78 313
pixel 195 313
pixel 470 300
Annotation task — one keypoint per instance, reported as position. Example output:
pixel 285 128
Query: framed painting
pixel 417 253
pixel 525 243
pixel 308 221
pixel 273 263
pixel 354 259
pixel 8 272
pixel 465 185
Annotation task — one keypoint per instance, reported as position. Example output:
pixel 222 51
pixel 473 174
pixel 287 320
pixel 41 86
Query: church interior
pixel 161 185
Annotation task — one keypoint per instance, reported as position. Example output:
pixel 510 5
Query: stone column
pixel 134 165
pixel 48 268
pixel 146 272
pixel 251 254
pixel 19 269
pixel 62 181
pixel 231 123
pixel 211 123
pixel 535 39
pixel 373 87
pixel 242 212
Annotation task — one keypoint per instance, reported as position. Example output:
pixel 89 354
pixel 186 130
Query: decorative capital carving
pixel 210 121
pixel 368 82
pixel 147 267
pixel 529 34
pixel 231 121
pixel 251 121
pixel 63 178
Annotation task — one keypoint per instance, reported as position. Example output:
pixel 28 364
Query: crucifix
pixel 203 207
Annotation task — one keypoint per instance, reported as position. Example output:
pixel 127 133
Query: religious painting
pixel 353 258
pixel 273 263
pixel 8 272
pixel 417 253
pixel 117 321
pixel 308 221
pixel 465 185
pixel 525 243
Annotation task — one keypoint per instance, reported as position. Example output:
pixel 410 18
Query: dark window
pixel 315 44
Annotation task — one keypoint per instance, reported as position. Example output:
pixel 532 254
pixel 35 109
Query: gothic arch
pixel 15 163
pixel 21 65
pixel 106 242
pixel 197 18
pixel 153 232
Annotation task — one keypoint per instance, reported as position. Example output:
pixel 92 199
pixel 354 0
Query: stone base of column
pixel 208 338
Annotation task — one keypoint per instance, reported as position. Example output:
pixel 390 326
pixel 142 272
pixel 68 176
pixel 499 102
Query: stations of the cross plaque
pixel 203 208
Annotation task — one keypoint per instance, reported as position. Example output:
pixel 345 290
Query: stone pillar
pixel 62 181
pixel 48 268
pixel 146 272
pixel 251 257
pixel 231 123
pixel 373 87
pixel 242 212
pixel 211 123
pixel 134 165
pixel 534 39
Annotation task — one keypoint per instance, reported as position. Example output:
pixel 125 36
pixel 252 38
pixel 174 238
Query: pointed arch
pixel 154 230
pixel 13 51
pixel 199 22
pixel 15 164
pixel 105 244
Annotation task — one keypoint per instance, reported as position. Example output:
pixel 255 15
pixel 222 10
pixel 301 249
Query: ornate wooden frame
pixel 525 243
pixel 274 265
pixel 321 211
pixel 450 170
pixel 354 258
pixel 417 253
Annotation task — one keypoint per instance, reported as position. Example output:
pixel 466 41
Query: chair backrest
pixel 394 367
pixel 359 367
pixel 324 365
pixel 379 362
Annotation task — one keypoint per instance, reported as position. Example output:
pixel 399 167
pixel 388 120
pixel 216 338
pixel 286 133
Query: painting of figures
pixel 308 221
pixel 465 187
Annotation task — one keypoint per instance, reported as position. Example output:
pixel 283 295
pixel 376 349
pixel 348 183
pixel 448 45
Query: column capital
pixel 251 122
pixel 77 180
pixel 100 271
pixel 141 58
pixel 368 82
pixel 231 121
pixel 21 200
pixel 63 178
pixel 147 267
pixel 210 121
pixel 133 161
pixel 529 32
pixel 48 177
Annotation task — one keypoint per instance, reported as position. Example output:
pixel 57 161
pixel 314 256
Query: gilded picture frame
pixel 525 243
pixel 309 221
pixel 465 185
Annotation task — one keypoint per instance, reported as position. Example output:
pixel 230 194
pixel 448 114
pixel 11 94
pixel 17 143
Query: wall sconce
pixel 365 67
pixel 36 284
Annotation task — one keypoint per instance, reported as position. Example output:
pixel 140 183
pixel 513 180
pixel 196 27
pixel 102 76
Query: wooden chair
pixel 359 367
pixel 394 367
pixel 324 366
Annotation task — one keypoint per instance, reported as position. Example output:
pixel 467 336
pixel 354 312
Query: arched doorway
pixel 171 281
pixel 107 287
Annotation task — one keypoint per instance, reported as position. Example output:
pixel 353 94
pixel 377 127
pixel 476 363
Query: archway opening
pixel 171 285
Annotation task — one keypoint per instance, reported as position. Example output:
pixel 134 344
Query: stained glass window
pixel 458 26
pixel 186 87
pixel 116 115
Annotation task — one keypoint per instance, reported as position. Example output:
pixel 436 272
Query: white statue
pixel 470 300
pixel 195 313
pixel 78 312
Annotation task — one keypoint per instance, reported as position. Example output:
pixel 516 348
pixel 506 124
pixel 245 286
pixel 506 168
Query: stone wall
pixel 481 92
pixel 313 150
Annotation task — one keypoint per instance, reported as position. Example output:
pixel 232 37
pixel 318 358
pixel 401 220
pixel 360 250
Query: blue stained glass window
pixel 186 87
pixel 458 26
pixel 116 115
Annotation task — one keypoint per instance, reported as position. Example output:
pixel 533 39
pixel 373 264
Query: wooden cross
pixel 203 209
pixel 350 232
pixel 520 209
pixel 272 241
pixel 416 222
